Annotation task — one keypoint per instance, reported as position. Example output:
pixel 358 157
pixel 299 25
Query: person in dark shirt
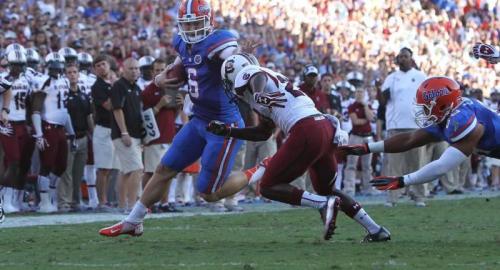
pixel 105 158
pixel 79 109
pixel 309 86
pixel 127 131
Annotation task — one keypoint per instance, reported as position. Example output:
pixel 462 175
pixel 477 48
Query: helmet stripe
pixel 189 10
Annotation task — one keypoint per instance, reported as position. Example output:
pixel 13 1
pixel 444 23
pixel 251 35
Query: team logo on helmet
pixel 229 66
pixel 204 8
pixel 246 76
pixel 435 93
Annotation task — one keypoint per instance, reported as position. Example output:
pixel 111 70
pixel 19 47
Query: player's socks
pixel 171 191
pixel 356 212
pixel 53 189
pixel 312 200
pixel 137 214
pixel 91 187
pixel 43 185
pixel 188 188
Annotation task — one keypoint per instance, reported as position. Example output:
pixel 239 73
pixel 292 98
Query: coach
pixel 104 151
pixel 399 90
pixel 126 131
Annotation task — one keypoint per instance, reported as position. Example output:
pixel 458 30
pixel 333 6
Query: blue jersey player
pixel 443 115
pixel 201 50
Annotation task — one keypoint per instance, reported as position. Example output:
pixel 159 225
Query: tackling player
pixel 201 50
pixel 443 114
pixel 310 143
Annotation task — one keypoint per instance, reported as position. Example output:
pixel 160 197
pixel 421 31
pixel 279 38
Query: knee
pixel 165 173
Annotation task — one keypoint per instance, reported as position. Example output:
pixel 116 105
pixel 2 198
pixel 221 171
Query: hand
pixel 486 52
pixel 218 128
pixel 354 149
pixel 162 82
pixel 179 100
pixel 127 141
pixel 388 182
pixel 249 46
pixel 4 117
pixel 72 143
pixel 270 99
pixel 164 101
pixel 41 142
pixel 6 129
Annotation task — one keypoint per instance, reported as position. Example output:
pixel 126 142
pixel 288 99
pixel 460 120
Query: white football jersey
pixel 85 82
pixel 54 107
pixel 143 83
pixel 296 104
pixel 21 88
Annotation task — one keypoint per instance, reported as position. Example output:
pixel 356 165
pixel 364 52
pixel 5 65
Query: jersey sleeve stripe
pixel 465 130
pixel 229 42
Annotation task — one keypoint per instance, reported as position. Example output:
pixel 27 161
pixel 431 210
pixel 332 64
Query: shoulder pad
pixel 244 76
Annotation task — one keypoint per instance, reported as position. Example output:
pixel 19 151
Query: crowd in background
pixel 337 38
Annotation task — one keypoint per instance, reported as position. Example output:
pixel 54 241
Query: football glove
pixel 6 129
pixel 388 182
pixel 41 142
pixel 355 149
pixel 218 128
pixel 487 52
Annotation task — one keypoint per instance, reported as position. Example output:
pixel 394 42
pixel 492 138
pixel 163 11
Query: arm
pixel 37 105
pixel 261 132
pixel 7 96
pixel 357 121
pixel 384 98
pixel 368 113
pixel 452 157
pixel 120 121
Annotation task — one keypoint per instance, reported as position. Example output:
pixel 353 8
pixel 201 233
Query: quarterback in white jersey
pixel 309 146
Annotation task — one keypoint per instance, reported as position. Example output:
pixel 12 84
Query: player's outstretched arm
pixel 398 143
pixel 261 132
pixel 452 157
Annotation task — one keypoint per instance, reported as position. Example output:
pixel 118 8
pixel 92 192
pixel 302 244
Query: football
pixel 178 72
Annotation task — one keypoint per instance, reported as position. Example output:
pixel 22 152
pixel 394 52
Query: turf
pixel 460 234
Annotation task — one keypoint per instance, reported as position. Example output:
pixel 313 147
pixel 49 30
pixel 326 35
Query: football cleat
pixel 381 236
pixel 123 227
pixel 2 214
pixel 329 216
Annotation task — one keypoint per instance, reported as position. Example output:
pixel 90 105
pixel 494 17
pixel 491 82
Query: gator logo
pixel 435 93
pixel 204 9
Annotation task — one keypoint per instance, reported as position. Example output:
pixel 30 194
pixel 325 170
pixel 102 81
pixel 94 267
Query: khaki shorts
pixel 104 150
pixel 152 156
pixel 130 157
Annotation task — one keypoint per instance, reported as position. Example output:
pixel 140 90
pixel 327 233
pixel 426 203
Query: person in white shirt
pixel 147 72
pixel 398 94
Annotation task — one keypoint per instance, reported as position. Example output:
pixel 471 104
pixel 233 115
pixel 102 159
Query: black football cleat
pixel 381 236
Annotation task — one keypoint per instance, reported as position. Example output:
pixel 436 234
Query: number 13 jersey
pixel 54 107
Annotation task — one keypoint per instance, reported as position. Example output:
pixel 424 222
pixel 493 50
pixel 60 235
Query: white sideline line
pixel 79 218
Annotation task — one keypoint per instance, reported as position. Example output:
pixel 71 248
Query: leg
pixel 65 186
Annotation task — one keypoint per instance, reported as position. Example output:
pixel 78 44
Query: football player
pixel 443 114
pixel 309 145
pixel 86 78
pixel 51 121
pixel 147 72
pixel 487 52
pixel 201 50
pixel 19 145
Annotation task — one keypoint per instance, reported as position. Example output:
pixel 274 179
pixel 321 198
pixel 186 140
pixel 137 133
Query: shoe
pixel 2 214
pixel 45 205
pixel 455 192
pixel 381 236
pixel 217 208
pixel 420 204
pixel 123 227
pixel 169 208
pixel 329 216
pixel 389 204
pixel 233 208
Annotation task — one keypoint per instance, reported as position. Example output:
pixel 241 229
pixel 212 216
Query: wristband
pixel 124 133
pixel 376 147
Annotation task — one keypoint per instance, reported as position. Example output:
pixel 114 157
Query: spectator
pixel 126 132
pixel 105 158
pixel 79 109
pixel 361 115
pixel 399 90
pixel 310 87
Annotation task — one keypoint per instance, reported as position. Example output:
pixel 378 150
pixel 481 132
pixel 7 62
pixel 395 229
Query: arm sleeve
pixel 98 95
pixel 386 86
pixel 149 99
pixel 460 126
pixel 222 39
pixel 451 158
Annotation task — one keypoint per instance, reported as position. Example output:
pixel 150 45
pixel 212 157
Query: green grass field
pixel 462 234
